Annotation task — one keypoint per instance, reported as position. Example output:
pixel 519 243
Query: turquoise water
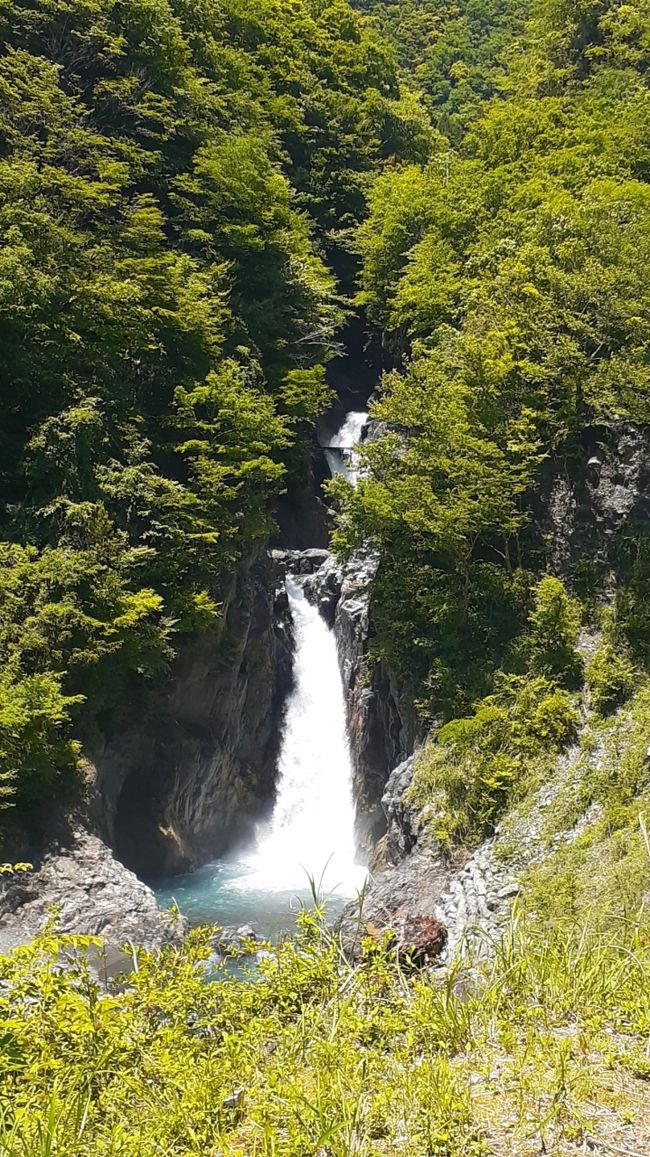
pixel 220 894
pixel 311 831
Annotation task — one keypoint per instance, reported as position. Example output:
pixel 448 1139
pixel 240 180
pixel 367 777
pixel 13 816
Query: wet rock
pixel 323 589
pixel 191 777
pixel 301 562
pixel 383 731
pixel 233 940
pixel 303 517
pixel 401 818
pixel 89 893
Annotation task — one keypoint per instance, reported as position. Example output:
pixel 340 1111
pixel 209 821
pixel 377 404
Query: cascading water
pixel 311 831
pixel 339 451
pixel 312 827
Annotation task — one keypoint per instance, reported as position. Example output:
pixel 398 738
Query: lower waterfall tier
pixel 309 840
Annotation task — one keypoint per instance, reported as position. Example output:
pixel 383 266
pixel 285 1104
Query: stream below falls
pixel 310 835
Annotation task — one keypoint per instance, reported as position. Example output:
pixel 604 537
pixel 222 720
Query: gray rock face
pixel 93 895
pixel 382 731
pixel 300 562
pixel 411 878
pixel 401 818
pixel 303 517
pixel 471 899
pixel 410 888
pixel 192 779
pixel 586 501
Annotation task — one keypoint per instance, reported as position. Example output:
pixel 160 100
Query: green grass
pixel 542 1049
pixel 594 864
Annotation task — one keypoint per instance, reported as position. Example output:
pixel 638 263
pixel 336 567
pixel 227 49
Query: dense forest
pixel 195 199
pixel 179 183
pixel 509 279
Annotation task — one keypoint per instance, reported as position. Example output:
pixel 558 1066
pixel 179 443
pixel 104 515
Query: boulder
pixel 85 891
pixel 420 940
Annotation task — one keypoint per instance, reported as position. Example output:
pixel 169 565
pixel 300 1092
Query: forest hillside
pixel 196 202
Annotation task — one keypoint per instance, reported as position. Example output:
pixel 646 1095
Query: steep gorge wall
pixel 181 783
pixel 382 729
pixel 190 781
pixel 591 499
pixel 598 492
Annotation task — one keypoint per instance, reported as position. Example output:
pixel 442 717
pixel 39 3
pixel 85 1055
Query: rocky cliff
pixel 190 781
pixel 382 729
pixel 81 885
pixel 177 786
pixel 590 499
pixel 598 490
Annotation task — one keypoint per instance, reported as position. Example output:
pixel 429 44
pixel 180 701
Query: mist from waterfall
pixel 340 453
pixel 311 831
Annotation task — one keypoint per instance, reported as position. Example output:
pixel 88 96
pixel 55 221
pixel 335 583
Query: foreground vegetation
pixel 537 1044
pixel 544 1049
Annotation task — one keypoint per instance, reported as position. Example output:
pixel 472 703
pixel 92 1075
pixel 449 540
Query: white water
pixel 311 832
pixel 340 453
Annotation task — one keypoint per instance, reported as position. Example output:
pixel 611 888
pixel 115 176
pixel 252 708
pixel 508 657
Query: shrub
pixel 473 767
pixel 555 624
pixel 610 676
pixel 35 739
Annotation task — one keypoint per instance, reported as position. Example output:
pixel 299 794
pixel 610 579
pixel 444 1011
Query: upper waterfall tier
pixel 340 447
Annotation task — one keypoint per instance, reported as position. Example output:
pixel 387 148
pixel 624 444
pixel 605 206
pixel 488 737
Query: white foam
pixel 340 451
pixel 311 831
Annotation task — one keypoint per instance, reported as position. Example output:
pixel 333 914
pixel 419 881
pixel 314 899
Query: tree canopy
pixel 176 182
pixel 509 278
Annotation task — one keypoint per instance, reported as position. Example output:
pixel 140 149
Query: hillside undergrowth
pixel 545 1049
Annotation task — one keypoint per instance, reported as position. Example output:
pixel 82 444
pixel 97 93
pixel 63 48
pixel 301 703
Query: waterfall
pixel 311 832
pixel 340 453
pixel 312 827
